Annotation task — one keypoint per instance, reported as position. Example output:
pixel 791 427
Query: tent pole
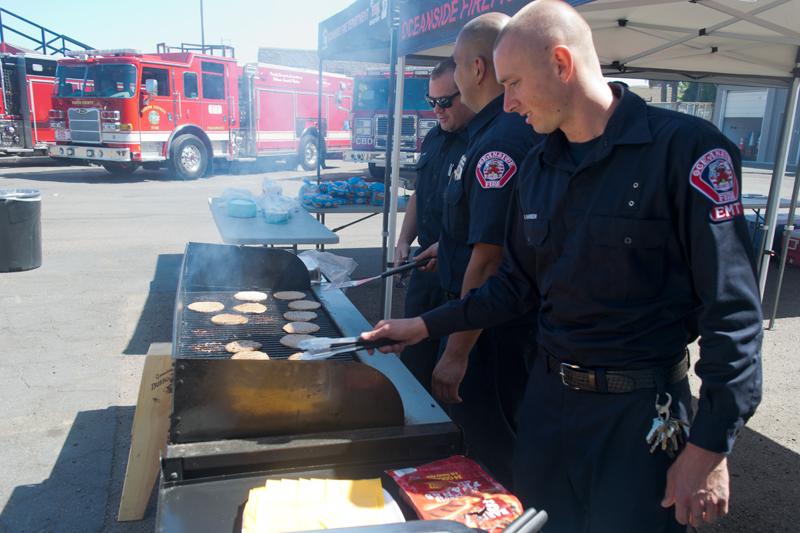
pixel 773 204
pixel 787 232
pixel 398 122
pixel 320 131
pixel 385 244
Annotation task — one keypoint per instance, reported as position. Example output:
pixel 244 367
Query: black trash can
pixel 20 229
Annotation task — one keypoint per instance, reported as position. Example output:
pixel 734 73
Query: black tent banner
pixel 425 24
pixel 358 33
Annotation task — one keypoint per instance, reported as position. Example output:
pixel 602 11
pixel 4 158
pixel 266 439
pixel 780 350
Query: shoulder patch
pixel 495 169
pixel 714 177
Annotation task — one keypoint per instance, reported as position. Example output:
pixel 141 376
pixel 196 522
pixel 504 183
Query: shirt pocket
pixel 424 159
pixel 627 257
pixel 536 231
pixel 454 217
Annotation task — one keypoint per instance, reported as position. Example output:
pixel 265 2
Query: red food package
pixel 458 489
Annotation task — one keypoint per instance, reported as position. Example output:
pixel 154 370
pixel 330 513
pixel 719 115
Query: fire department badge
pixel 460 168
pixel 714 177
pixel 495 169
pixel 153 117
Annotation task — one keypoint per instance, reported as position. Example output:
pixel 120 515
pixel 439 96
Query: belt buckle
pixel 590 377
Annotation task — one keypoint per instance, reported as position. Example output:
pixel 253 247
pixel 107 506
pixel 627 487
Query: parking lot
pixel 73 334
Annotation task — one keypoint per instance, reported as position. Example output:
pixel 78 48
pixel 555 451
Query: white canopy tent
pixel 718 41
pixel 744 42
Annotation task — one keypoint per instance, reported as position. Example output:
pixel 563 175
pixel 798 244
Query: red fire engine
pixel 122 109
pixel 370 122
pixel 27 86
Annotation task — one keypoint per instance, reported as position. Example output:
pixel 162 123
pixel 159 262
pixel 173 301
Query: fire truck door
pixel 39 77
pixel 158 113
pixel 214 98
pixel 189 106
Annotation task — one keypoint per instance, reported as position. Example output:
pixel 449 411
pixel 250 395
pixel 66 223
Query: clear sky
pixel 140 24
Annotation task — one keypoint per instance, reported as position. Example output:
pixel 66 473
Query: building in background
pixel 691 98
pixel 752 117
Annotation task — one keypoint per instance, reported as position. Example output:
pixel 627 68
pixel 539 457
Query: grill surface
pixel 201 339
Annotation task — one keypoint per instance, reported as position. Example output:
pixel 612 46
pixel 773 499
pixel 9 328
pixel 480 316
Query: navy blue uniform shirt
pixel 441 151
pixel 633 254
pixel 479 192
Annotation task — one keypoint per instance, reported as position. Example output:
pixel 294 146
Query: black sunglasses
pixel 443 101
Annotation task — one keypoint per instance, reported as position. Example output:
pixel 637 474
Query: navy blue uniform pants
pixel 582 457
pixel 423 294
pixel 492 393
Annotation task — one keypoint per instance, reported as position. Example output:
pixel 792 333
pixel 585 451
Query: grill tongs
pixel 408 265
pixel 324 347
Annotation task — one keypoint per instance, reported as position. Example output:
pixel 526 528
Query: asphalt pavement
pixel 73 334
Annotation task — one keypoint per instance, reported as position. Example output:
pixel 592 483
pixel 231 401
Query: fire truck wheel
pixel 188 158
pixel 308 153
pixel 120 169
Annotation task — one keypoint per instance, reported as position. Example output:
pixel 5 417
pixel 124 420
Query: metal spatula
pixel 391 272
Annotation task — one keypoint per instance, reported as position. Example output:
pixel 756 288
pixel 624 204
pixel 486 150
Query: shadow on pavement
pixel 82 492
pixel 764 487
pixel 92 175
pixel 96 175
pixel 31 161
pixel 155 322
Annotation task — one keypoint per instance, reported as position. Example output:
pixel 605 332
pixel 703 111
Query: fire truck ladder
pixel 223 50
pixel 45 41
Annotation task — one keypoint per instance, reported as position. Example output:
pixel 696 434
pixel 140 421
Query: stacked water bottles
pixel 354 191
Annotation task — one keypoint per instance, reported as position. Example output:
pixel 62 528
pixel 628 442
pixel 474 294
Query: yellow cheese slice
pixel 251 509
pixel 312 490
pixel 289 490
pixel 284 505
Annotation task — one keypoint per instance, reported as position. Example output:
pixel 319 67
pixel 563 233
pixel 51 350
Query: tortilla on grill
pixel 302 328
pixel 296 356
pixel 227 319
pixel 300 316
pixel 250 296
pixel 293 341
pixel 250 307
pixel 242 346
pixel 250 354
pixel 206 307
pixel 289 295
pixel 304 305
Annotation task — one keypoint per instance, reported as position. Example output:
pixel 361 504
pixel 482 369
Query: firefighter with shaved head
pixel 627 236
pixel 481 376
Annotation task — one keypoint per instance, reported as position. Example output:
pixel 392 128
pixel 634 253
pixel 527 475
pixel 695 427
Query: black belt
pixel 617 381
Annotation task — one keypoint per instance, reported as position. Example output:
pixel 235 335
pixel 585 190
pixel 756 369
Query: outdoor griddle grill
pixel 235 423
